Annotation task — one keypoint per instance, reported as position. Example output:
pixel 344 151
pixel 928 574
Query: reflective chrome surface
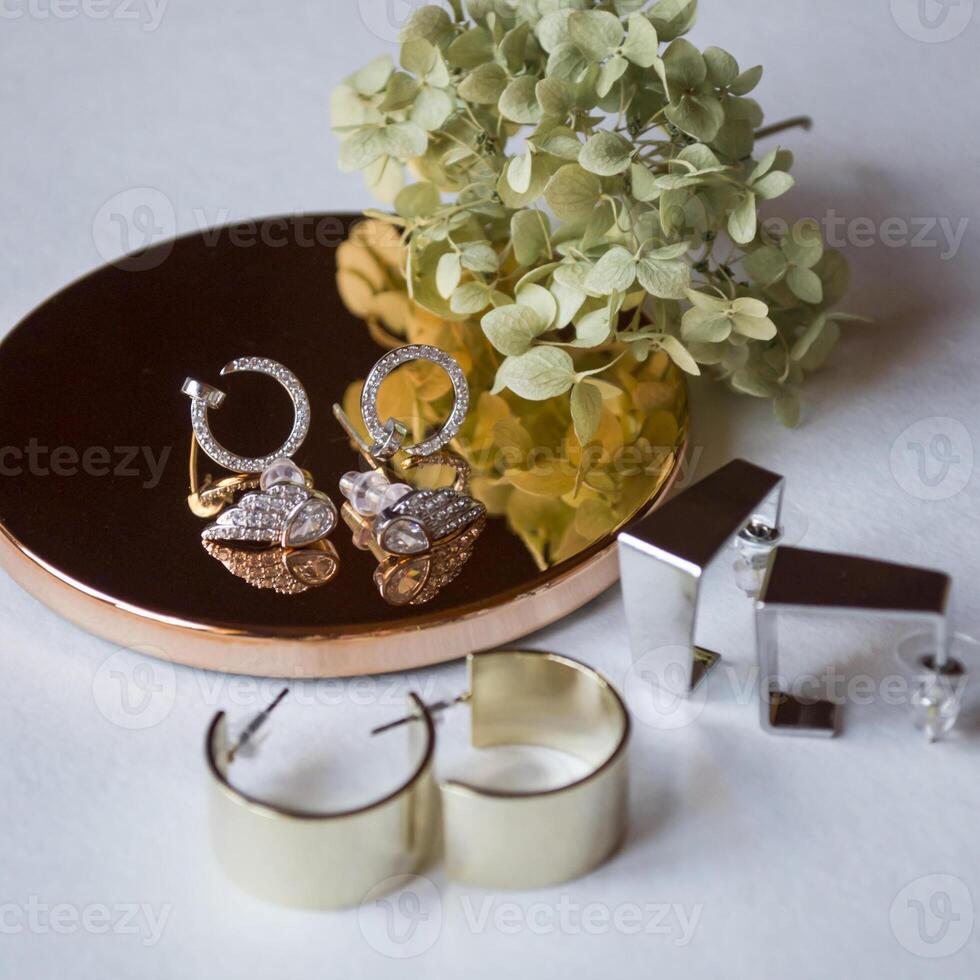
pixel 666 557
pixel 822 584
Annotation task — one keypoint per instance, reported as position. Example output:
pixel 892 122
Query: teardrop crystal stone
pixel 404 537
pixel 312 568
pixel 315 520
pixel 282 471
pixel 404 582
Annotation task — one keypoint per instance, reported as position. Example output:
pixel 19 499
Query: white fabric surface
pixel 772 857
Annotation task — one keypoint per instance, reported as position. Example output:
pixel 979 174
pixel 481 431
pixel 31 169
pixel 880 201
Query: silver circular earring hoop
pixel 204 397
pixel 389 436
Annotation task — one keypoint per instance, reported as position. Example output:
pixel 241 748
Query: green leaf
pixel 596 33
pixel 803 246
pixel 513 48
pixel 615 272
pixel 361 149
pixel 511 328
pixel 555 96
pixel 480 257
pixel 429 22
pixel 750 380
pixel 372 78
pixel 743 222
pixel 821 348
pixel 698 114
pixel 835 274
pixel 765 265
pixel 470 298
pixel 702 326
pixel 484 85
pixel 593 328
pixel 519 173
pixel 448 273
pixel 773 185
pixel 561 143
pixel 417 200
pixel 610 73
pixel 722 67
pixel 606 154
pixel 586 407
pixel 679 354
pixel 552 29
pixel 401 92
pixel 672 18
pixel 809 337
pixel 573 192
pixel 543 168
pixel 685 66
pixel 404 141
pixel 664 279
pixel 418 56
pixel 539 299
pixel 519 103
pixel 735 139
pixel 474 47
pixel 600 221
pixel 540 374
pixel 668 252
pixel 747 81
pixel 806 284
pixel 755 328
pixel 569 300
pixel 764 166
pixel 642 45
pixel 530 233
pixel 568 63
pixel 644 183
pixel 432 108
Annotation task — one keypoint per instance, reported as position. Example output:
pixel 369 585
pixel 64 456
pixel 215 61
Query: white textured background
pixel 784 858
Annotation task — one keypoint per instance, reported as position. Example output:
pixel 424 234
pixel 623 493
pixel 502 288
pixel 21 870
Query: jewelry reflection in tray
pixel 288 571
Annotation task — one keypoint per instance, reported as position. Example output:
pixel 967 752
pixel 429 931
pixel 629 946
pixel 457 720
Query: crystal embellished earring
pixel 405 521
pixel 284 510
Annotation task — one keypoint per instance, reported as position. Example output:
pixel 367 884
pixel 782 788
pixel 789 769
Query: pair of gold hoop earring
pixel 279 507
pixel 488 838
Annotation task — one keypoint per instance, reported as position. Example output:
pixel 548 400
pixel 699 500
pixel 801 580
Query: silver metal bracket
pixel 665 556
pixel 816 584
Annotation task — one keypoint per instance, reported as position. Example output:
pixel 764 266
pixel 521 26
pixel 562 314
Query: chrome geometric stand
pixel 820 584
pixel 665 556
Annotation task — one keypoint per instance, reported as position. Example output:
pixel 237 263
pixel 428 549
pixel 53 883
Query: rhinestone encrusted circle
pixel 254 464
pixel 384 367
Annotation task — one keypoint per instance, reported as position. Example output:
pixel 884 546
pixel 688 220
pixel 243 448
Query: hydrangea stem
pixel 797 122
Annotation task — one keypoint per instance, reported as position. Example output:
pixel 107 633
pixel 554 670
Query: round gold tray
pixel 93 471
